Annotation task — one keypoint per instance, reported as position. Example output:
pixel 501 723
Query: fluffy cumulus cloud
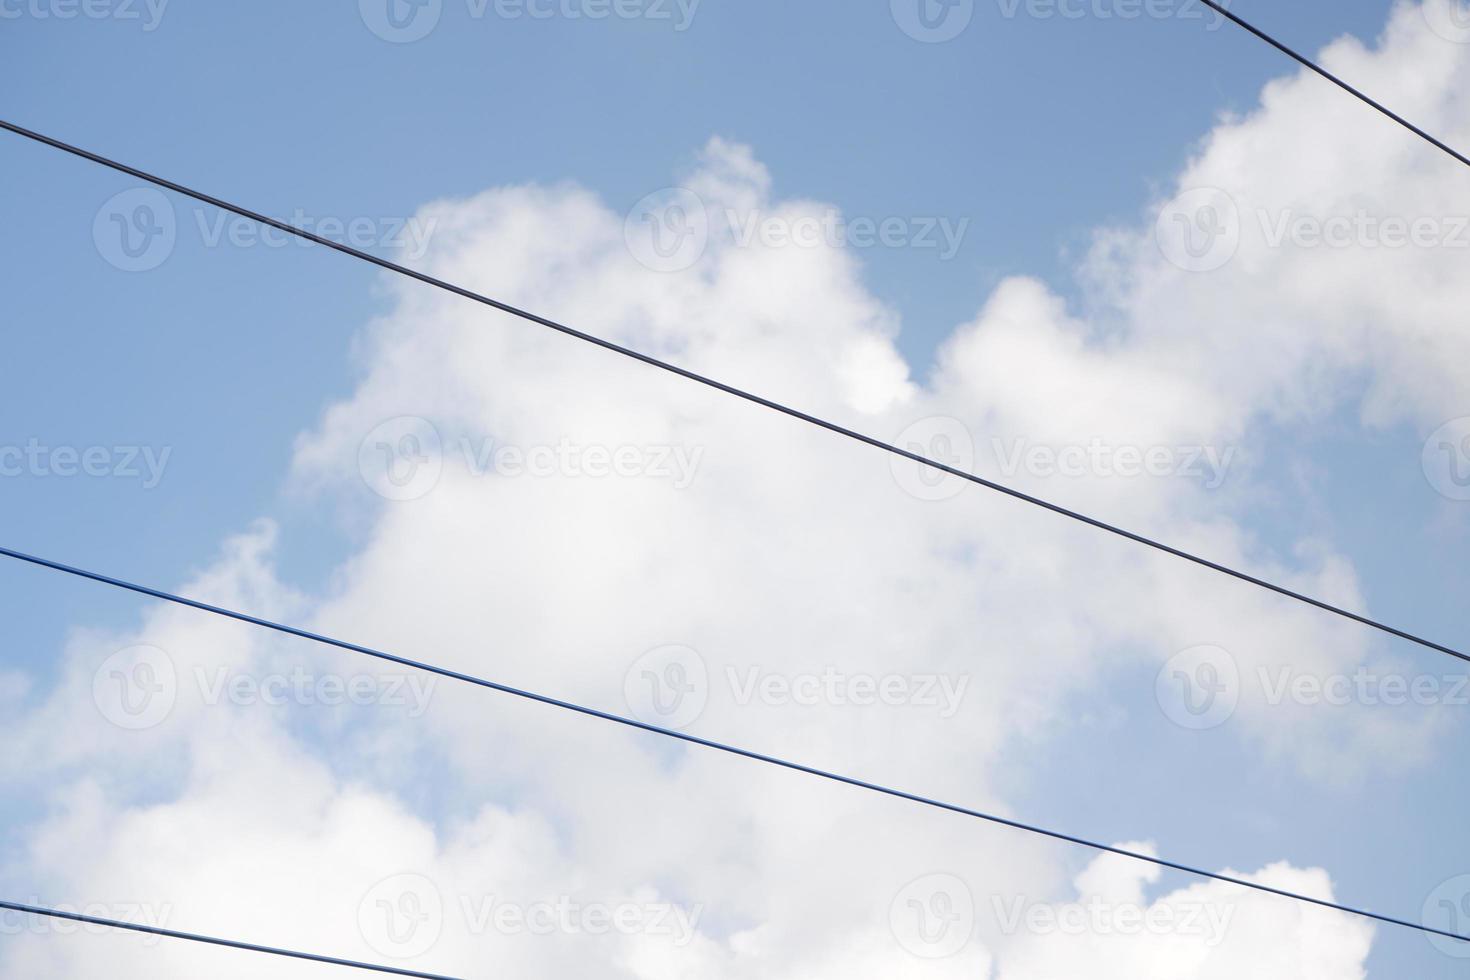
pixel 1109 927
pixel 524 506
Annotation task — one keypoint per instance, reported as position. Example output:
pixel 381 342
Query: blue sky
pixel 844 109
pixel 1036 131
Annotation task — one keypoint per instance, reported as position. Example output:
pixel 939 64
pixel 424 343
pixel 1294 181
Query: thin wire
pixel 1358 93
pixel 214 941
pixel 731 390
pixel 696 740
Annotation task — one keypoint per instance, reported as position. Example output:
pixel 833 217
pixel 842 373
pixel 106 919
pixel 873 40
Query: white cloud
pixel 790 551
pixel 1208 930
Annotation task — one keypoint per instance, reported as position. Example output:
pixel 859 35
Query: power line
pixel 696 740
pixel 215 941
pixel 1358 93
pixel 731 390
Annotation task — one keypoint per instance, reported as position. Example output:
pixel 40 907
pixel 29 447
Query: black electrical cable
pixel 215 941
pixel 731 390
pixel 1358 93
pixel 696 740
